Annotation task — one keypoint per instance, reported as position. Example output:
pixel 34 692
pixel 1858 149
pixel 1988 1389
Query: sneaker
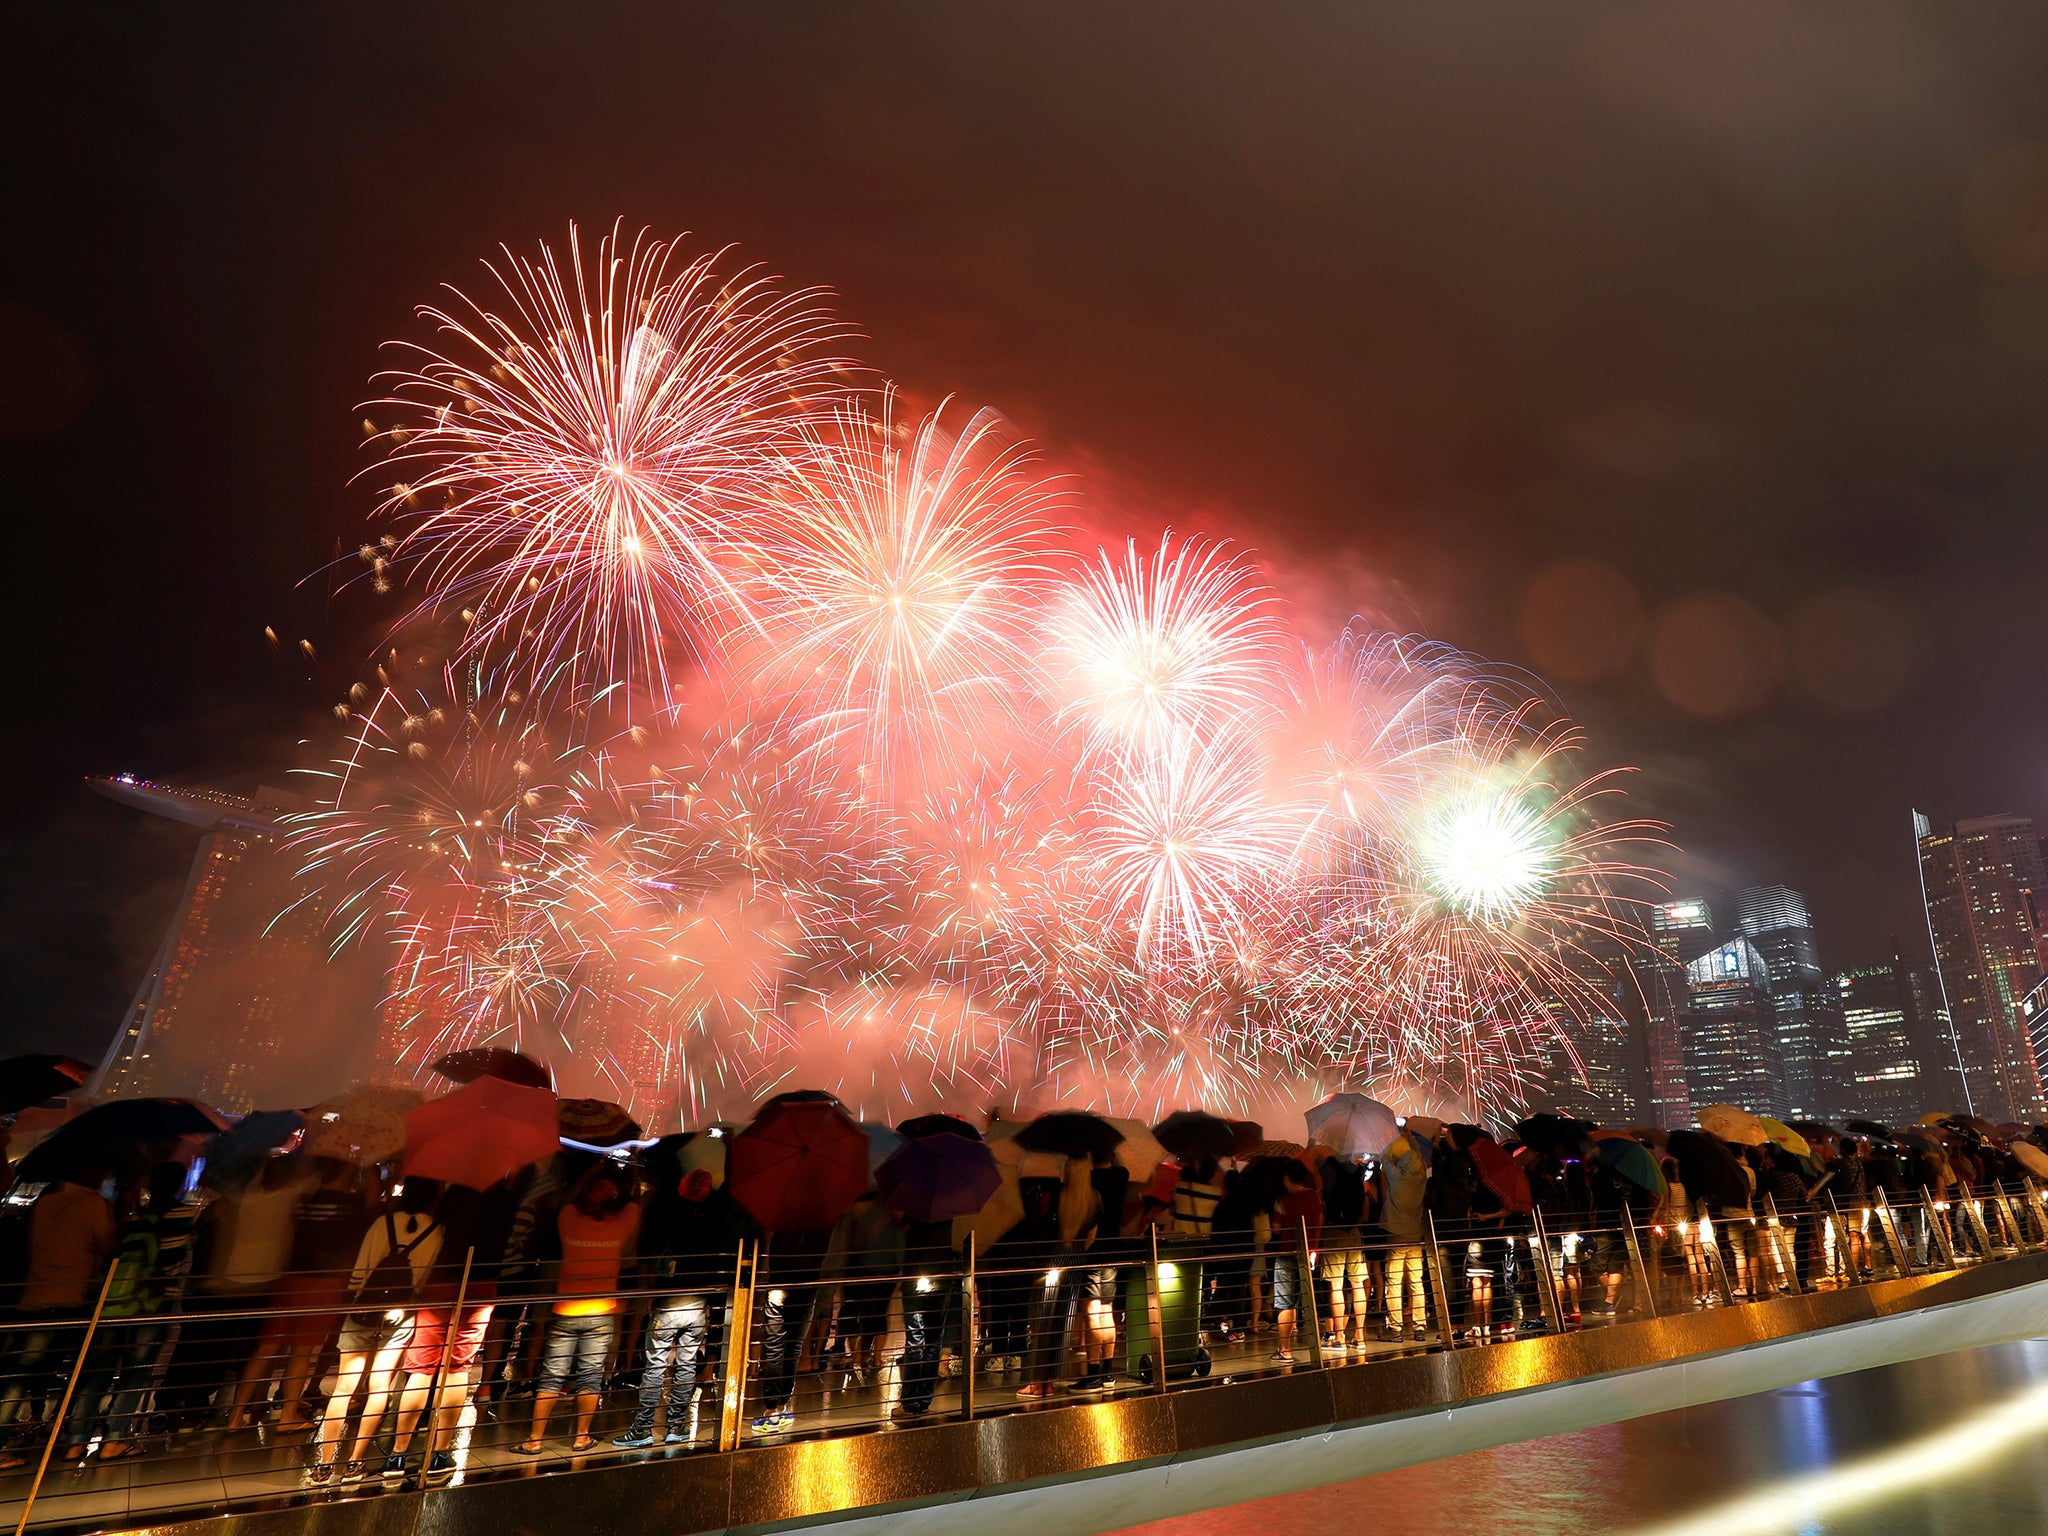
pixel 1281 1357
pixel 394 1468
pixel 320 1473
pixel 1333 1346
pixel 676 1437
pixel 903 1413
pixel 1093 1382
pixel 774 1421
pixel 633 1436
pixel 441 1464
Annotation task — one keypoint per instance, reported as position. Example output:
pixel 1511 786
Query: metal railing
pixel 224 1400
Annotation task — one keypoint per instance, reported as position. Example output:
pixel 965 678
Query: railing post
pixel 1710 1240
pixel 1784 1244
pixel 1304 1298
pixel 739 1324
pixel 1972 1210
pixel 2040 1207
pixel 1538 1243
pixel 970 1333
pixel 64 1403
pixel 1439 1291
pixel 1888 1228
pixel 1635 1258
pixel 2009 1217
pixel 1155 1313
pixel 1845 1251
pixel 1938 1228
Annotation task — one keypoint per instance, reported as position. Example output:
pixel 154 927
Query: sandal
pixel 583 1443
pixel 120 1450
pixel 529 1448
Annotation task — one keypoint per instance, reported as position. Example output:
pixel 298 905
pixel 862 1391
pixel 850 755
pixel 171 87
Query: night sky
pixel 1695 355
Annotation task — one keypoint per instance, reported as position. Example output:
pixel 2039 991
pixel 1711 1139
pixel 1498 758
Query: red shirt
pixel 1298 1206
pixel 592 1247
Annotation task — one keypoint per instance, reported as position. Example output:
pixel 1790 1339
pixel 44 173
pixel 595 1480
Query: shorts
pixel 1286 1283
pixel 578 1349
pixel 365 1333
pixel 1477 1265
pixel 1342 1261
pixel 430 1339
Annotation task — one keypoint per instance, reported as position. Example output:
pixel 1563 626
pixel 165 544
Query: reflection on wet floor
pixel 1952 1446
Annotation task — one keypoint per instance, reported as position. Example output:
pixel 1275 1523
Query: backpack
pixel 1343 1192
pixel 392 1282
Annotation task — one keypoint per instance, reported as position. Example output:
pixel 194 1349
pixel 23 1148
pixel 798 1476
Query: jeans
pixel 785 1318
pixel 675 1343
pixel 32 1363
pixel 124 1351
pixel 1407 1304
pixel 574 1357
pixel 925 1315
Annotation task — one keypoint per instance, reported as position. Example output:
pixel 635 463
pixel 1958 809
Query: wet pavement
pixel 1956 1445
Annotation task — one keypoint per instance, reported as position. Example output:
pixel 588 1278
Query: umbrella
pixel 1557 1134
pixel 1924 1137
pixel 26 1080
pixel 938 1178
pixel 1935 1117
pixel 798 1165
pixel 364 1125
pixel 39 1122
pixel 1633 1161
pixel 238 1154
pixel 1502 1174
pixel 882 1144
pixel 1709 1170
pixel 1783 1135
pixel 703 1150
pixel 1247 1137
pixel 1650 1135
pixel 1869 1128
pixel 143 1120
pixel 1004 1209
pixel 2031 1158
pixel 1280 1149
pixel 1139 1151
pixel 938 1125
pixel 1736 1126
pixel 493 1061
pixel 594 1123
pixel 1025 1163
pixel 1428 1127
pixel 1190 1135
pixel 1353 1124
pixel 801 1096
pixel 1071 1134
pixel 484 1131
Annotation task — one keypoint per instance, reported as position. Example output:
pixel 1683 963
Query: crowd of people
pixel 583 1303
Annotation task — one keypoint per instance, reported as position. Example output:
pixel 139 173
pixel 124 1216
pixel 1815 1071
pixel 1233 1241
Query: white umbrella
pixel 1736 1126
pixel 1139 1151
pixel 1352 1124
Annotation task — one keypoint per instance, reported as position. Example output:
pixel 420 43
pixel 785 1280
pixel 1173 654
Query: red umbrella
pixel 481 1132
pixel 798 1166
pixel 1248 1136
pixel 1503 1175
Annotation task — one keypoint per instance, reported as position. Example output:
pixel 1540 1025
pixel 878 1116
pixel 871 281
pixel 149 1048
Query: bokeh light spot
pixel 1582 620
pixel 1714 655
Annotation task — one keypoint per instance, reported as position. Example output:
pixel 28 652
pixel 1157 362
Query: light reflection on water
pixel 1952 1446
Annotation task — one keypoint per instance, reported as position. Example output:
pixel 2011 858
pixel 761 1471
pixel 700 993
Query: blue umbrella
pixel 882 1142
pixel 1632 1161
pixel 936 1178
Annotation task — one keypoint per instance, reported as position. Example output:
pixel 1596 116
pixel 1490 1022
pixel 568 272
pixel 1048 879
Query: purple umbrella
pixel 935 1178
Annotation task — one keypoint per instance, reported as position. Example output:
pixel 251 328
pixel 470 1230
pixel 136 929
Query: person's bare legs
pixel 448 1415
pixel 291 1396
pixel 254 1375
pixel 334 1417
pixel 543 1410
pixel 383 1377
pixel 586 1410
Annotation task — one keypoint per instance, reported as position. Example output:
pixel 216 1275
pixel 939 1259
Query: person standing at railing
pixel 1233 1233
pixel 1298 1220
pixel 1097 1188
pixel 1023 1268
pixel 1673 1228
pixel 866 1256
pixel 597 1229
pixel 1404 1178
pixel 1785 1182
pixel 690 1243
pixel 444 1346
pixel 1850 1191
pixel 150 1265
pixel 328 1223
pixel 392 1263
pixel 71 1238
pixel 1341 1260
pixel 930 1292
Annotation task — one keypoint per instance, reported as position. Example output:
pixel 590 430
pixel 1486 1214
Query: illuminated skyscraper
pixel 1981 880
pixel 1904 1061
pixel 1813 1044
pixel 1731 1049
pixel 1684 929
pixel 241 1006
pixel 1655 998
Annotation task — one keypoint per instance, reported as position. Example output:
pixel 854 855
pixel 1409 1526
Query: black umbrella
pixel 1866 1128
pixel 1556 1134
pixel 1708 1169
pixel 493 1061
pixel 1190 1136
pixel 1070 1133
pixel 921 1126
pixel 26 1080
pixel 117 1131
